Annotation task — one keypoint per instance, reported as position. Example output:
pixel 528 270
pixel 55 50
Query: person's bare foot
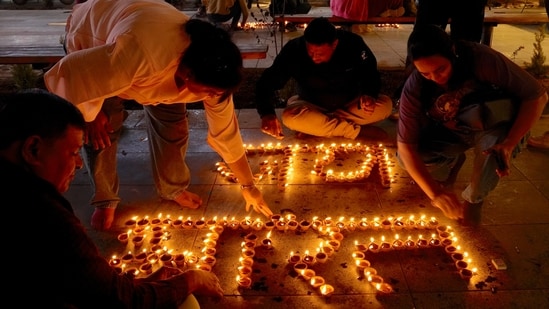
pixel 188 200
pixel 102 218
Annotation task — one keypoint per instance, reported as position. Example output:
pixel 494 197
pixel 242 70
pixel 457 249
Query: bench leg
pixel 487 31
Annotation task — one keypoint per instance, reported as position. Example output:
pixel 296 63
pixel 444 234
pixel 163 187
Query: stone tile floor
pixel 515 217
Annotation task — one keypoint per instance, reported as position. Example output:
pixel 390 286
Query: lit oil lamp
pixel 422 242
pixel 308 259
pixel 177 222
pixel 234 224
pixel 294 258
pixel 373 246
pixel 387 223
pixel 245 271
pixel 304 225
pixel 188 224
pixel 397 243
pixel 257 225
pixel 384 287
pixel 398 224
pixel 326 290
pixel 360 247
pixel 307 274
pixel 351 225
pixel 385 246
pixel 267 243
pixel 320 256
pixel 243 282
pixel 245 223
pixel 246 261
pixel 434 241
pixel 409 243
pixel 363 225
pixel 317 281
pixel 199 224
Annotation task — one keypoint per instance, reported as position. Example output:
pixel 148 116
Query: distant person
pixel 361 10
pixel 466 17
pixel 462 95
pixel 338 85
pixel 220 11
pixel 150 52
pixel 289 7
pixel 40 138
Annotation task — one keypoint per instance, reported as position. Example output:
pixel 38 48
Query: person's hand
pixel 367 104
pixel 102 218
pixel 254 198
pixel 271 126
pixel 449 204
pixel 502 155
pixel 97 132
pixel 202 282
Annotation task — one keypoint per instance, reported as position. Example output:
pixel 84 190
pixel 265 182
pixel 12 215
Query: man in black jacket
pixel 41 135
pixel 338 85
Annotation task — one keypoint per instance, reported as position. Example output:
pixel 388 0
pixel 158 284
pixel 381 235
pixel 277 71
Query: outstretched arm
pixel 251 193
pixel 446 200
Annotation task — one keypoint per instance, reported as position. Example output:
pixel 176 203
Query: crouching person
pixel 463 95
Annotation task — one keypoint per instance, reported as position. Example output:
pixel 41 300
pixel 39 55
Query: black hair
pixel 320 31
pixel 212 57
pixel 35 112
pixel 430 40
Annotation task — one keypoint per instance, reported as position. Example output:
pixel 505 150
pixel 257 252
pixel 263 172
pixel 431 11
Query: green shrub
pixel 537 67
pixel 24 77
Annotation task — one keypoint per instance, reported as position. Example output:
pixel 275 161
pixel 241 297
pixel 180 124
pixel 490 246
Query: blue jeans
pixel 439 148
pixel 168 133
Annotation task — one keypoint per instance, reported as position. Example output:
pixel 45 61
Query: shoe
pixel 472 213
pixel 540 141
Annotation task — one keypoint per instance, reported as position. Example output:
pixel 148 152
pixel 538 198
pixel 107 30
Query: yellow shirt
pixel 131 49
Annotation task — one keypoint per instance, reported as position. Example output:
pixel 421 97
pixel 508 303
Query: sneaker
pixel 472 213
pixel 540 141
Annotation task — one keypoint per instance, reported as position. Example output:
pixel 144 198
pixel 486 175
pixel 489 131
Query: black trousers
pixel 467 16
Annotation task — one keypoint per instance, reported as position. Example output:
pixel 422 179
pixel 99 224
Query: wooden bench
pixel 52 54
pixel 492 18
